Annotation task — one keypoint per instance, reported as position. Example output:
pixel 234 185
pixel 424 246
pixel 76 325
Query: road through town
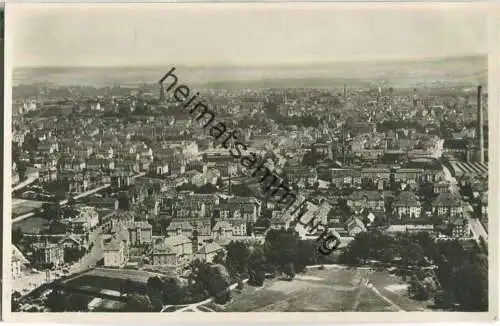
pixel 475 225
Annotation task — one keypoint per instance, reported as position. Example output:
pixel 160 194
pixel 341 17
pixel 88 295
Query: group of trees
pixel 60 301
pixel 59 188
pixel 73 254
pixel 204 189
pixel 460 278
pixel 282 252
pixel 206 280
pixel 54 211
pixel 17 236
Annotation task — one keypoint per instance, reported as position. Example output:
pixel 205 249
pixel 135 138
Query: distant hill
pixel 399 73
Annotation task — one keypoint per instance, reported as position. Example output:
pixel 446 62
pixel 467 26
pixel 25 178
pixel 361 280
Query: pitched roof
pixel 112 245
pixel 407 199
pixel 356 222
pixel 139 224
pixel 369 195
pixel 459 221
pixel 221 225
pixel 163 249
pixel 447 199
pixel 176 240
pixel 209 248
pixel 183 225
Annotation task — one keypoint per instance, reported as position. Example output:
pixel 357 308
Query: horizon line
pixel 380 59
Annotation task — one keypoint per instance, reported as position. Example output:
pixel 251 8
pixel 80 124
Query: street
pixel 31 281
pixel 475 225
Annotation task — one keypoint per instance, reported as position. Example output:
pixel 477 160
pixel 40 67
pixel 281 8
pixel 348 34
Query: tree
pixel 207 189
pixel 17 236
pixel 240 283
pixel 172 292
pixel 307 254
pixel 56 301
pixel 21 170
pixel 76 302
pixel 71 201
pixel 14 301
pixel 154 287
pixel 220 183
pixel 417 290
pixel 256 274
pixel 124 201
pixel 471 288
pixel 219 258
pixel 237 256
pixel 187 187
pixel 289 270
pixel 358 250
pixel 281 246
pixel 412 254
pixel 214 279
pixel 138 303
pixel 256 277
pixel 73 254
pixel 52 211
pixel 443 300
pixel 249 228
pixel 128 287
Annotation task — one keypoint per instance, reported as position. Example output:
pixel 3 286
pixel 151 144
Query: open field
pixel 23 206
pixel 339 289
pixel 110 279
pixel 32 225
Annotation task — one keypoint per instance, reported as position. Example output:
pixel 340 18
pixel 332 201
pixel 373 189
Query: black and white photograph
pixel 247 158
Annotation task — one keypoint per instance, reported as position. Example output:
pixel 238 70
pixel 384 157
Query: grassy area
pixel 322 290
pixel 111 279
pixel 138 276
pixel 24 206
pixel 32 225
pixel 98 282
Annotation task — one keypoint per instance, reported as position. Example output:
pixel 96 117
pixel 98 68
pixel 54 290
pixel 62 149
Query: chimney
pixel 480 130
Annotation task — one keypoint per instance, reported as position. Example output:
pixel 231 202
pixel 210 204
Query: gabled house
pixel 371 200
pixel 280 221
pixel 180 244
pixel 245 208
pixel 441 187
pixel 180 228
pixel 354 226
pixel 209 251
pixel 222 229
pixel 140 232
pixel 163 254
pixel 407 205
pixel 460 227
pixel 115 252
pixel 447 205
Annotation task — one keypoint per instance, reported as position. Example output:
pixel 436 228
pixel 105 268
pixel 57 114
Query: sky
pixel 241 34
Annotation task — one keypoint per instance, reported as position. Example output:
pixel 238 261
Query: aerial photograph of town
pixel 168 170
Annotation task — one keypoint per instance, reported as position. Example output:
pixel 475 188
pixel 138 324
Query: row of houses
pixel 406 203
pixel 383 176
pixel 176 250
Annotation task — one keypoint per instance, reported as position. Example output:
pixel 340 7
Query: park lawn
pixel 32 225
pixel 137 276
pixel 98 282
pixel 111 279
pixel 249 299
pixel 340 289
pixel 381 280
pixel 24 206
